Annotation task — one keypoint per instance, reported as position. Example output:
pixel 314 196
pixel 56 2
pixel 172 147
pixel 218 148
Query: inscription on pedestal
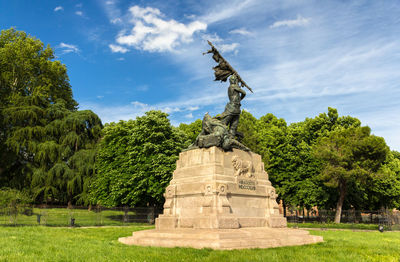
pixel 247 184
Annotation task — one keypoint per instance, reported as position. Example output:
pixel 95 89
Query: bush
pixel 13 198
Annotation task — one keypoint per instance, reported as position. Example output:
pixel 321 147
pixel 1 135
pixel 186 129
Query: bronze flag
pixel 223 70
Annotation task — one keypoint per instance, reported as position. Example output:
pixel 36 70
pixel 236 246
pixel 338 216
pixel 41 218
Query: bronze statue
pixel 215 133
pixel 230 117
pixel 221 131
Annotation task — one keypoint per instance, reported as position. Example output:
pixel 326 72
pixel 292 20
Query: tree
pixel 349 155
pixel 40 127
pixel 136 159
pixel 191 130
pixel 247 127
pixel 383 189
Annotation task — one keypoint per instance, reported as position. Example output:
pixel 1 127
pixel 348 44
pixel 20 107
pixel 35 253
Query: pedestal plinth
pixel 221 198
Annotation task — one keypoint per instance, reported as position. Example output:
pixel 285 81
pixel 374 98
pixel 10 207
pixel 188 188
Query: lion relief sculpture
pixel 242 168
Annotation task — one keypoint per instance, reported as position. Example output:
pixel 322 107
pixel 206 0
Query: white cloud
pixel 192 108
pixel 214 38
pixel 151 32
pixel 226 48
pixel 227 10
pixel 190 115
pixel 192 16
pixel 241 31
pixel 118 49
pixel 170 110
pixel 116 20
pixel 100 97
pixel 68 48
pixel 80 13
pixel 121 59
pixel 142 106
pixel 300 21
pixel 58 8
pixel 112 11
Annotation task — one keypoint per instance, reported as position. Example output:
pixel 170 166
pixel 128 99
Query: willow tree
pixel 41 130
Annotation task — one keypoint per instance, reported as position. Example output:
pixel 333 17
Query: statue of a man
pixel 230 117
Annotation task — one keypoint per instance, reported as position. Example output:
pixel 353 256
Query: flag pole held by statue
pixel 223 70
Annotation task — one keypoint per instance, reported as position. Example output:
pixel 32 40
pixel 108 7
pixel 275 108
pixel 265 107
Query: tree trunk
pixel 342 194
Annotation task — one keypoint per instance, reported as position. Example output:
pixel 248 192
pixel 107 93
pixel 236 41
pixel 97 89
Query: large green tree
pixel 136 160
pixel 349 155
pixel 286 152
pixel 43 137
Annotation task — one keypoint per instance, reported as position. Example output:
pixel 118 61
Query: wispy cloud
pixel 152 32
pixel 58 8
pixel 190 115
pixel 116 20
pixel 226 48
pixel 299 21
pixel 80 13
pixel 118 49
pixel 112 11
pixel 68 48
pixel 224 10
pixel 241 31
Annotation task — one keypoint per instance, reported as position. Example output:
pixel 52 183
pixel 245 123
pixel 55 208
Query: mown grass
pixel 342 226
pixel 62 217
pixel 100 244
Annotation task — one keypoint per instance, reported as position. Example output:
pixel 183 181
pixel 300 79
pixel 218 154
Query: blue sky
pixel 127 57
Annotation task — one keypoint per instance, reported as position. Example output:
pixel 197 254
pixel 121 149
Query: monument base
pixel 220 200
pixel 223 239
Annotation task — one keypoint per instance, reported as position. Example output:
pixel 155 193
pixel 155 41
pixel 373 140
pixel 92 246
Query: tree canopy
pixel 45 141
pixel 136 160
pixel 349 156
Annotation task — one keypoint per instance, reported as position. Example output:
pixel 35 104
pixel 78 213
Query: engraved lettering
pixel 247 184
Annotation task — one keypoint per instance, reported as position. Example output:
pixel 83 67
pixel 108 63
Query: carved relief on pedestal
pixel 207 201
pixel 272 200
pixel 169 195
pixel 242 167
pixel 215 199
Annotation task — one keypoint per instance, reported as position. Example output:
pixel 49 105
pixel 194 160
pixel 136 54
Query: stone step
pixel 218 244
pixel 222 239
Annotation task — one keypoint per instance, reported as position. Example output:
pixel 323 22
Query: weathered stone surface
pixel 222 238
pixel 216 189
pixel 221 200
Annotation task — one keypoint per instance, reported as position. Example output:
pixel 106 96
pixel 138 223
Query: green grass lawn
pixel 100 244
pixel 62 217
pixel 342 226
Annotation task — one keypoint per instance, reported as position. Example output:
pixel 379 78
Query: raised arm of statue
pixel 241 91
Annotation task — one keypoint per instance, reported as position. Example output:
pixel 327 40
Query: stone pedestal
pixel 221 198
pixel 216 189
